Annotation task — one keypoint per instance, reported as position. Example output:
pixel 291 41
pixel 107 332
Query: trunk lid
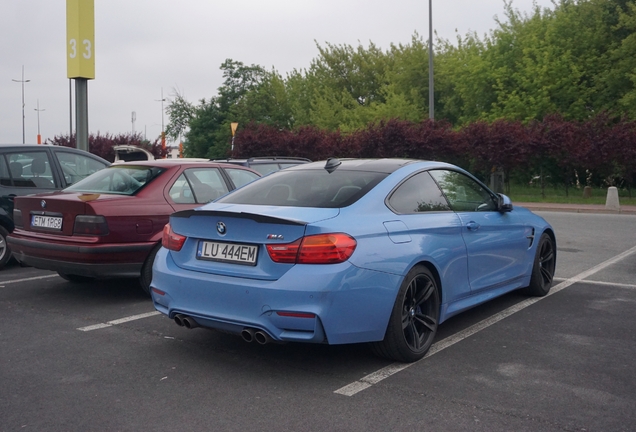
pixel 55 212
pixel 243 227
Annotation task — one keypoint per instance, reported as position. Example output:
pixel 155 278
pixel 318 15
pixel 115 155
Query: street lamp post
pixel 431 89
pixel 163 133
pixel 22 81
pixel 38 110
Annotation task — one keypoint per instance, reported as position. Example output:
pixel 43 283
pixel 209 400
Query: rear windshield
pixel 118 179
pixel 310 188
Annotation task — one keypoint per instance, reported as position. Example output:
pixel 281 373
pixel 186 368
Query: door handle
pixel 472 226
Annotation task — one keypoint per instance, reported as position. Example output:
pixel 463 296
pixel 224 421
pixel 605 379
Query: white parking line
pixel 375 377
pixel 118 321
pixel 2 284
pixel 613 284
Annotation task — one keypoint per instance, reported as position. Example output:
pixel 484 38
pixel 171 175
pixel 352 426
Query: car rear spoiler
pixel 259 218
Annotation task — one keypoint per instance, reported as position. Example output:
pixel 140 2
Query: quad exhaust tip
pixel 262 337
pixel 178 319
pixel 185 321
pixel 250 335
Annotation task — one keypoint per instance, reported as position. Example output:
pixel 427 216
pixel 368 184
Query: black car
pixel 266 165
pixel 27 169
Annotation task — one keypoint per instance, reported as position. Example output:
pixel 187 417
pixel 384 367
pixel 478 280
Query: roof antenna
pixel 332 164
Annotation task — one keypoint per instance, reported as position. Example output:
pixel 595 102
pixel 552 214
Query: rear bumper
pixel 98 261
pixel 336 304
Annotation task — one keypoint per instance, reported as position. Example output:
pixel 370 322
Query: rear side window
pixel 418 194
pixel 181 191
pixel 207 183
pixel 310 188
pixel 30 170
pixel 241 177
pixel 76 166
pixel 265 168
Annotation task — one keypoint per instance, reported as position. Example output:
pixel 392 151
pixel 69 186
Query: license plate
pixel 227 252
pixel 50 222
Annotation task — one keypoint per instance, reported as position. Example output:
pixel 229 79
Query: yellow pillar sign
pixel 234 126
pixel 80 39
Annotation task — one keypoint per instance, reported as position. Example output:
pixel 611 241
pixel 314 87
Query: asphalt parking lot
pixel 78 357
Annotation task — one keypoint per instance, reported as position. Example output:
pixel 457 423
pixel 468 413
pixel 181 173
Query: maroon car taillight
pixel 314 249
pixel 172 240
pixel 90 225
pixel 17 218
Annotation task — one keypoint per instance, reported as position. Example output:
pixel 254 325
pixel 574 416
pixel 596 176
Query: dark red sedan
pixel 110 224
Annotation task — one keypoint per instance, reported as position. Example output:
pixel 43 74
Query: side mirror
pixel 505 204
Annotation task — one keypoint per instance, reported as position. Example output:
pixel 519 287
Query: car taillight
pixel 17 218
pixel 90 225
pixel 315 249
pixel 284 253
pixel 172 240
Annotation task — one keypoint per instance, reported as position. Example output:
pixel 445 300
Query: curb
pixel 576 208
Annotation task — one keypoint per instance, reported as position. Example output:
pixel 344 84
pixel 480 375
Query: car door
pixel 24 173
pixel 496 242
pixel 427 229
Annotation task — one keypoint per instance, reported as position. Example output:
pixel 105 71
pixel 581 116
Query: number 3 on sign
pixel 87 49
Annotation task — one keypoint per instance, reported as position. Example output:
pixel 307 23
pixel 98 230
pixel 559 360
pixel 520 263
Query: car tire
pixel 75 278
pixel 146 270
pixel 543 268
pixel 413 323
pixel 5 251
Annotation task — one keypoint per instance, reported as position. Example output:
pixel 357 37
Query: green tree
pixel 623 76
pixel 180 114
pixel 209 133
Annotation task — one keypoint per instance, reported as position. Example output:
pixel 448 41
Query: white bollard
pixel 611 203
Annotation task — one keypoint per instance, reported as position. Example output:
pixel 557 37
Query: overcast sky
pixel 142 46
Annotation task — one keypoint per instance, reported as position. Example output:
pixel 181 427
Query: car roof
pixel 387 165
pixel 264 159
pixel 34 146
pixel 180 162
pixel 163 162
pixel 5 145
pixel 31 147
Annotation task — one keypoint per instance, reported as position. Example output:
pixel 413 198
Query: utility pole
pixel 163 133
pixel 22 81
pixel 431 86
pixel 38 110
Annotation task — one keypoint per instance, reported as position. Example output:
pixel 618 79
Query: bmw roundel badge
pixel 43 204
pixel 221 228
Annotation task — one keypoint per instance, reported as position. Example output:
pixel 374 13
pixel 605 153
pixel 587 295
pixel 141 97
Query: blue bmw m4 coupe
pixel 348 251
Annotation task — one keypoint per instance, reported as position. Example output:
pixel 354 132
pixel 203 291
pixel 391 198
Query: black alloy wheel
pixel 146 271
pixel 5 251
pixel 544 267
pixel 414 320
